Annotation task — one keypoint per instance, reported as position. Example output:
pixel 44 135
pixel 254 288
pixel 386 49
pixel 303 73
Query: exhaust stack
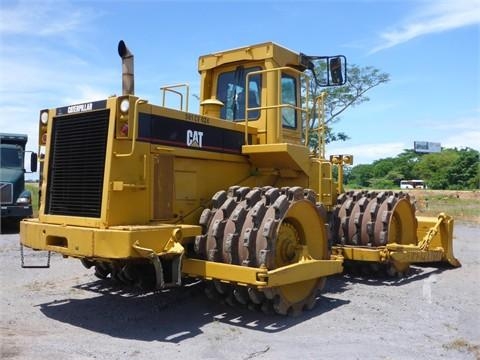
pixel 128 80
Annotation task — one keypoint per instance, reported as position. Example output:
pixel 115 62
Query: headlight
pixel 125 105
pixel 44 118
pixel 24 200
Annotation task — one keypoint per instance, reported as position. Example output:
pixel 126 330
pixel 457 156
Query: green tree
pixel 382 167
pixel 360 176
pixel 433 168
pixel 359 81
pixel 404 164
pixel 448 169
pixel 464 172
pixel 381 183
pixel 396 168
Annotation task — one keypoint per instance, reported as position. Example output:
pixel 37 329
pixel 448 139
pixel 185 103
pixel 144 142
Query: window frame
pixel 240 83
pixel 287 76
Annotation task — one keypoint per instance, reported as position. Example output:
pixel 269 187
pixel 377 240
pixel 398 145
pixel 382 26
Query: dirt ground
pixel 66 313
pixel 459 194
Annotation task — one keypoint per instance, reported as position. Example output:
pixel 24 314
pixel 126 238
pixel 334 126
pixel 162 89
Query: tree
pixel 433 168
pixel 359 81
pixel 359 176
pixel 464 173
pixel 396 168
pixel 449 169
pixel 404 164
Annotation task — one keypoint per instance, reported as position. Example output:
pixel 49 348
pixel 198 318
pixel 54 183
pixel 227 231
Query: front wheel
pixel 270 228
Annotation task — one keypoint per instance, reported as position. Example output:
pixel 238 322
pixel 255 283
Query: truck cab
pixel 16 201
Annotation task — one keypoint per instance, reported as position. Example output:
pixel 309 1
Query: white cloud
pixel 84 93
pixel 367 153
pixel 38 44
pixel 460 123
pixel 461 132
pixel 432 17
pixel 464 139
pixel 458 132
pixel 45 18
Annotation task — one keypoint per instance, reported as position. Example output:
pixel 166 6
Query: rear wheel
pixel 375 219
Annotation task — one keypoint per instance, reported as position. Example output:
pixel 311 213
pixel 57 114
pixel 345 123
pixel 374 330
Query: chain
pixel 22 260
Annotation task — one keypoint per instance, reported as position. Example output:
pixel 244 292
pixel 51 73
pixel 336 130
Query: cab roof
pixel 264 51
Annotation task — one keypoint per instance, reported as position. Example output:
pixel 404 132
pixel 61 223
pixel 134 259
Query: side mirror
pixel 33 162
pixel 337 70
pixel 327 70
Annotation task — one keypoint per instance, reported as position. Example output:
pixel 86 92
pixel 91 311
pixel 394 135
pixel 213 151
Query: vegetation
pixel 451 169
pixel 33 188
pixel 461 205
pixel 360 80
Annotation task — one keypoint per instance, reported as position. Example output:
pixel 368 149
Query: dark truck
pixel 16 201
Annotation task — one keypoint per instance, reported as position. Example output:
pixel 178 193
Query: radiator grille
pixel 6 193
pixel 76 164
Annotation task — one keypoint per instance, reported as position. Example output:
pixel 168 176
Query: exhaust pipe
pixel 128 81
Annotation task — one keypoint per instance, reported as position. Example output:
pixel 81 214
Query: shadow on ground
pixel 171 315
pixel 177 314
pixel 415 273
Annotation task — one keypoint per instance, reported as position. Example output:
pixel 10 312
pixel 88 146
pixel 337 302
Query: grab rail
pixel 321 129
pixel 135 127
pixel 169 88
pixel 279 105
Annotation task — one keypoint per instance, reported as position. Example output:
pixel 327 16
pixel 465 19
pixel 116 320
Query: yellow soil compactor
pixel 149 194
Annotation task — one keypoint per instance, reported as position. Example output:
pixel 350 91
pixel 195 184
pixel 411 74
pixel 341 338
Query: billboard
pixel 426 147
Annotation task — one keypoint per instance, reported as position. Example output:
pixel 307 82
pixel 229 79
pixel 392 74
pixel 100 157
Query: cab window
pixel 11 158
pixel 231 91
pixel 289 96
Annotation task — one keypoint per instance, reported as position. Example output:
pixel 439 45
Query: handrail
pixel 170 88
pixel 135 127
pixel 320 103
pixel 279 105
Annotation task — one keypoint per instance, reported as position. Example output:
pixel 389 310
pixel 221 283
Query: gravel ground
pixel 66 313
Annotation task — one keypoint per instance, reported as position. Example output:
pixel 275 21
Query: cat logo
pixel 194 138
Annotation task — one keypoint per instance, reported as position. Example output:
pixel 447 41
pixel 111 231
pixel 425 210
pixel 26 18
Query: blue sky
pixel 55 53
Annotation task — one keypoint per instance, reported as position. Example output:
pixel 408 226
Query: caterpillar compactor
pixel 149 194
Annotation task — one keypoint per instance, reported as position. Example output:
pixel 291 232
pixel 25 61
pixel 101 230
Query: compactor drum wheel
pixel 140 274
pixel 371 219
pixel 266 227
